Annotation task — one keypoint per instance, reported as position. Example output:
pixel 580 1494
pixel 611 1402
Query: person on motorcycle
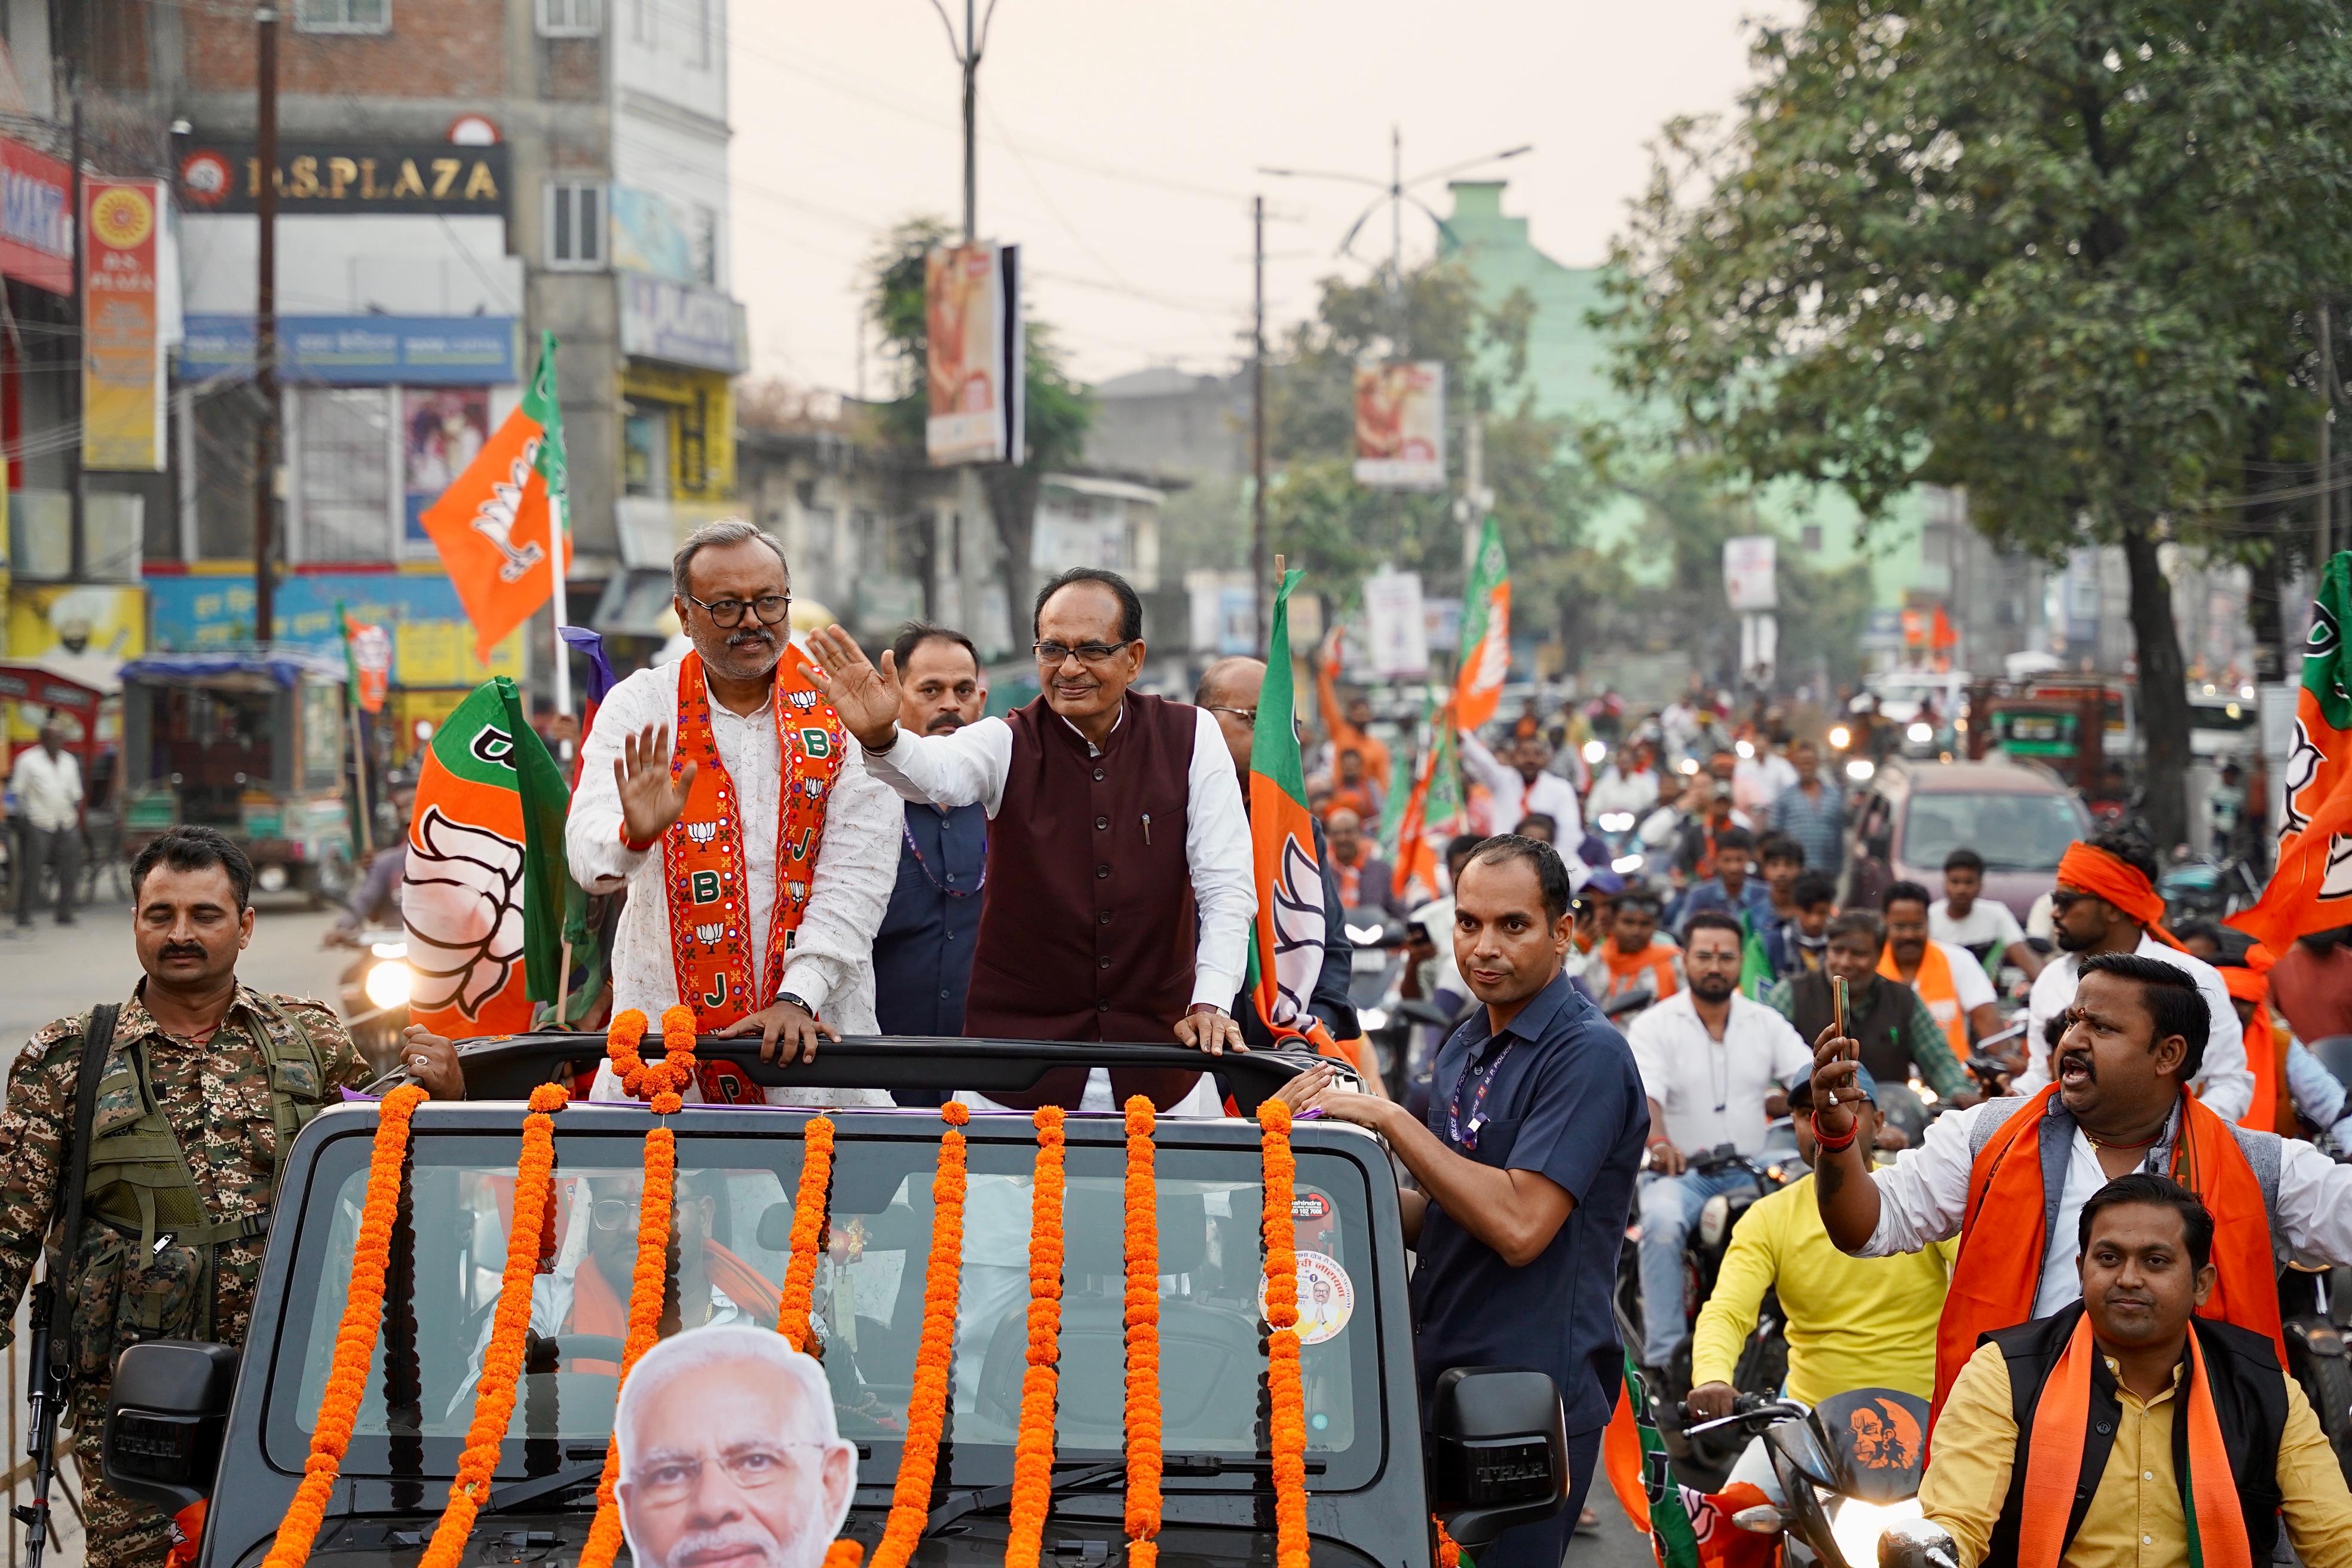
pixel 1731 890
pixel 1949 979
pixel 376 900
pixel 2135 1038
pixel 1850 1322
pixel 1900 1038
pixel 2131 1426
pixel 1635 959
pixel 1714 1065
pixel 1964 918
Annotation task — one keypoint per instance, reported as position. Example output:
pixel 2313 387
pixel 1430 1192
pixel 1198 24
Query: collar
pixel 1116 719
pixel 1534 1020
pixel 136 1023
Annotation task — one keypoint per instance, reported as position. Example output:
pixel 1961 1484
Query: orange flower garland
pixel 1449 1551
pixel 927 1406
pixel 649 1273
pixel 494 1394
pixel 1286 1392
pixel 355 1336
pixel 1143 1435
pixel 1032 1447
pixel 843 1554
pixel 808 1233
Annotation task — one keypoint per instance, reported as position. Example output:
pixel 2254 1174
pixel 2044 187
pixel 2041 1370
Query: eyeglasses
pixel 1088 653
pixel 770 607
pixel 1246 715
pixel 2064 899
pixel 614 1213
pixel 671 1480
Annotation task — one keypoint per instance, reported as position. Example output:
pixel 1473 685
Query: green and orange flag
pixel 2311 890
pixel 487 886
pixel 499 524
pixel 1485 659
pixel 1287 954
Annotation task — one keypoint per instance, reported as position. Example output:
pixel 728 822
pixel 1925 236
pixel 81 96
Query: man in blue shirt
pixel 1525 1168
pixel 923 954
pixel 1731 890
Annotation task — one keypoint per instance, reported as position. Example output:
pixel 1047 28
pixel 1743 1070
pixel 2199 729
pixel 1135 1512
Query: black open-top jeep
pixel 191 1421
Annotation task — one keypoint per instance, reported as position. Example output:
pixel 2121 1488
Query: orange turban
pixel 2103 876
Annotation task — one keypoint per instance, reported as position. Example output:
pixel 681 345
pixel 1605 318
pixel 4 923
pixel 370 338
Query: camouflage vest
pixel 147 1254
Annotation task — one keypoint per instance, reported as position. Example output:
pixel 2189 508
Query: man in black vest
pixel 2111 1402
pixel 1899 1039
pixel 1114 820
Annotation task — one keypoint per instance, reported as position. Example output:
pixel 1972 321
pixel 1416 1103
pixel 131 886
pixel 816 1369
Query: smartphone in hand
pixel 1837 989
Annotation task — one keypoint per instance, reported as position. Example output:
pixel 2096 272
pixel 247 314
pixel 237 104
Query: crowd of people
pixel 803 843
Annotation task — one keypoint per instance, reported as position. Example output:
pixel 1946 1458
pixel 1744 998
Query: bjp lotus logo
pixel 708 935
pixel 702 832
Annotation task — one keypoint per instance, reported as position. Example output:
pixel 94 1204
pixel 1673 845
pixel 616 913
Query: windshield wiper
pixel 506 1499
pixel 1086 1475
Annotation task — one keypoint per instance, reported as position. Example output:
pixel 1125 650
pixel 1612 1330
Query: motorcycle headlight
pixel 1372 1019
pixel 1713 1219
pixel 1594 751
pixel 388 984
pixel 1615 822
pixel 1625 865
pixel 388 949
pixel 1861 769
pixel 1840 737
pixel 1856 1525
pixel 1920 734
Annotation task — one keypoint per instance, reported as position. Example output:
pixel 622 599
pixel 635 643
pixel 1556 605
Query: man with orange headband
pixel 2107 901
pixel 2298 1085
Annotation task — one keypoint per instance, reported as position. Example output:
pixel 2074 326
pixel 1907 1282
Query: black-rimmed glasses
pixel 770 608
pixel 1090 653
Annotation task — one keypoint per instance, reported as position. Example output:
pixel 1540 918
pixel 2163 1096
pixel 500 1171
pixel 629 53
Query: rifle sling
pixel 97 1044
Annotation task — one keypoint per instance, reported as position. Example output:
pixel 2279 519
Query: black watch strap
pixel 797 1001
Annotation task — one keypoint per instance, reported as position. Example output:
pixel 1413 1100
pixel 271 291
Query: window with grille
pixel 570 18
pixel 344 16
pixel 575 224
pixel 342 473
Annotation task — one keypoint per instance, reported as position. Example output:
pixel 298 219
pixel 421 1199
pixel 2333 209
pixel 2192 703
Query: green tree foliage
pixel 1056 414
pixel 2047 252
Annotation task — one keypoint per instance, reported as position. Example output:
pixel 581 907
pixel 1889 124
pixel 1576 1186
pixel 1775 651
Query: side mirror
pixel 165 1421
pixel 1497 1450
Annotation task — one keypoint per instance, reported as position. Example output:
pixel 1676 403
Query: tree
pixel 2041 251
pixel 1058 409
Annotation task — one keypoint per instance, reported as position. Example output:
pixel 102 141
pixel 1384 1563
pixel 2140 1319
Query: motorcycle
pixel 374 992
pixel 1848 1470
pixel 1376 963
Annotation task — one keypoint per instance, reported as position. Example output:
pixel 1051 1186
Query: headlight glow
pixel 1615 822
pixel 1857 1525
pixel 1625 865
pixel 1689 766
pixel 1594 751
pixel 1861 769
pixel 1363 936
pixel 1747 750
pixel 1372 1019
pixel 1840 737
pixel 388 984
pixel 1920 733
pixel 388 949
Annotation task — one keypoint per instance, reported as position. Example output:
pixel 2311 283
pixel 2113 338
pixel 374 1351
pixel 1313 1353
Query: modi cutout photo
pixel 729 1456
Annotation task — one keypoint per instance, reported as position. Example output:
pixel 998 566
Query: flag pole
pixel 559 510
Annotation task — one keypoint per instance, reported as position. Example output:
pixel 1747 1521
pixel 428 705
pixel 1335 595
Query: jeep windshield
pixel 732 1234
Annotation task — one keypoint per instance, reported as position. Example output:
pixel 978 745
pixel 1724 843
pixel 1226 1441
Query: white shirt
pixel 830 965
pixel 1922 1196
pixel 1754 781
pixel 1713 1090
pixel 47 788
pixel 1972 986
pixel 2223 1083
pixel 1514 798
pixel 1614 791
pixel 972 763
pixel 1988 920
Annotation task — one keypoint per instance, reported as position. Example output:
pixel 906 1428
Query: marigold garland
pixel 1142 1316
pixel 1449 1551
pixel 1285 1391
pixel 355 1336
pixel 910 1498
pixel 494 1393
pixel 1032 1446
pixel 808 1233
pixel 649 1273
pixel 843 1554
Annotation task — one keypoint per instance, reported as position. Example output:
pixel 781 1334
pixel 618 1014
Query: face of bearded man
pixel 728 1467
pixel 744 571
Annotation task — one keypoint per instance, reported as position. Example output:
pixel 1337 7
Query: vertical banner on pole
pixel 975 363
pixel 123 350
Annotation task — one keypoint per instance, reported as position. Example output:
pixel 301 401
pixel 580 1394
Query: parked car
pixel 1913 813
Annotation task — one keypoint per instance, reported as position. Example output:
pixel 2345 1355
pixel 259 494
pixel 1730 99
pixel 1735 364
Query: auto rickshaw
pixel 252 743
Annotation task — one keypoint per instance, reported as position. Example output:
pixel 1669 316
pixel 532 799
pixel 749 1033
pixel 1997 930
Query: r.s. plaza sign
pixel 349 177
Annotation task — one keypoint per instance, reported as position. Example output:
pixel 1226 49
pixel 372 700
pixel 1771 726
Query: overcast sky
pixel 1120 143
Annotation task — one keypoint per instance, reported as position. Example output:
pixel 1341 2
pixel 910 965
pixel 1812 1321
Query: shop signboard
pixel 336 176
pixel 432 640
pixel 362 351
pixel 122 357
pixel 36 218
pixel 682 325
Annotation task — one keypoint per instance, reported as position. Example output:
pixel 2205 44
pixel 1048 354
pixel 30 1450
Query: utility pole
pixel 970 503
pixel 77 490
pixel 2324 542
pixel 1257 415
pixel 265 326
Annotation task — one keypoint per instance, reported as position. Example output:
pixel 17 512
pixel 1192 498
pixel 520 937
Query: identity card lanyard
pixel 908 834
pixel 1468 1136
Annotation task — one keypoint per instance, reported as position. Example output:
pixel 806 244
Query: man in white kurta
pixel 826 981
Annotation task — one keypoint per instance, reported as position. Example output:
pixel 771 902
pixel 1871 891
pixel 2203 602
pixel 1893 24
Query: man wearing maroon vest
pixel 1120 889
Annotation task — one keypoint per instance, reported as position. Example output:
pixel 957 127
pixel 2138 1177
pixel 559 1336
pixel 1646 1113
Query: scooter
pixel 1848 1470
pixel 374 992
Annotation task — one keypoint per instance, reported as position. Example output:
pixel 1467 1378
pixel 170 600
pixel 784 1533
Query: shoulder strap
pixel 284 1118
pixel 97 1044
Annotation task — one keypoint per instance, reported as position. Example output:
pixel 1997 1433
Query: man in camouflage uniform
pixel 205 1076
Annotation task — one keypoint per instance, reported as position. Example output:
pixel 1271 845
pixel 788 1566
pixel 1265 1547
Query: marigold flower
pixel 1285 1391
pixel 910 1498
pixel 1032 1447
pixel 808 1233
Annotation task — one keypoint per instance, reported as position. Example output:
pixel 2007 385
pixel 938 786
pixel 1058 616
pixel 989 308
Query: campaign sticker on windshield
pixel 1327 1298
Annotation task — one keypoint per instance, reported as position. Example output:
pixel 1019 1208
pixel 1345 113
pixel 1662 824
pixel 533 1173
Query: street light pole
pixel 265 326
pixel 970 502
pixel 1257 416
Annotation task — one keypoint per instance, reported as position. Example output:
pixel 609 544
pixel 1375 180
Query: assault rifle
pixel 47 1401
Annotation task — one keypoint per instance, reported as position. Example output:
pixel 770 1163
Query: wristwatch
pixel 1204 1007
pixel 796 1001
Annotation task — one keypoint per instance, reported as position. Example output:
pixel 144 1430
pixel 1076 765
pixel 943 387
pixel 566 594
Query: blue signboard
pixel 433 641
pixel 363 351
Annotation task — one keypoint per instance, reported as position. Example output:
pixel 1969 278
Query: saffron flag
pixel 499 525
pixel 487 886
pixel 367 656
pixel 1435 814
pixel 1287 953
pixel 1635 1460
pixel 2311 890
pixel 1485 659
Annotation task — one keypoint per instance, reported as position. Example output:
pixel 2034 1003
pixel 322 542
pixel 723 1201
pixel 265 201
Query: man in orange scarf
pixel 1635 958
pixel 2066 1438
pixel 2008 1177
pixel 1949 979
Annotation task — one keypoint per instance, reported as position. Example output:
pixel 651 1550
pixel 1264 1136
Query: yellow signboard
pixel 441 653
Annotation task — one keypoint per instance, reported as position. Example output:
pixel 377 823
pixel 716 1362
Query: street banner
pixel 1748 572
pixel 1400 425
pixel 498 524
pixel 975 365
pixel 1392 624
pixel 1286 953
pixel 122 359
pixel 367 656
pixel 1485 633
pixel 2311 890
pixel 485 889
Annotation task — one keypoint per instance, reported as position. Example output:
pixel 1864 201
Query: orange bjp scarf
pixel 2103 876
pixel 2217 1529
pixel 1625 969
pixel 1998 1271
pixel 1934 986
pixel 2273 1110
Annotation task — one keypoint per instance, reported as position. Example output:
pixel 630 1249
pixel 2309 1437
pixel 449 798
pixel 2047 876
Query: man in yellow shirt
pixel 2117 1390
pixel 1851 1322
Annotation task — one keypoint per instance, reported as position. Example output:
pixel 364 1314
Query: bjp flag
pixel 499 524
pixel 1287 953
pixel 2311 890
pixel 1486 661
